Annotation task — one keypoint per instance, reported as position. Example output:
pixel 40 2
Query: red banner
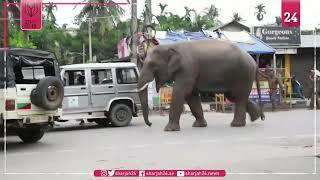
pixel 159 173
pixel 31 14
pixel 290 12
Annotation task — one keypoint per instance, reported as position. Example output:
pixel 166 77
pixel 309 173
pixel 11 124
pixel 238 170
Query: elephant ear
pixel 174 61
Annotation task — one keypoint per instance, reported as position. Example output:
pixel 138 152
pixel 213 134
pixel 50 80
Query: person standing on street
pixel 311 80
pixel 273 81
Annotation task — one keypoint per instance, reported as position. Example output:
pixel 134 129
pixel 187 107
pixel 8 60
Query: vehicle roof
pixel 98 65
pixel 29 52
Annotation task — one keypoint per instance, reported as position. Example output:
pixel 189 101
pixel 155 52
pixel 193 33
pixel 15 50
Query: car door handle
pixel 110 86
pixel 83 88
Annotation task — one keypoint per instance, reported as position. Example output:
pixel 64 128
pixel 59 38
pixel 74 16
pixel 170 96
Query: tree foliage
pixel 191 21
pixel 278 21
pixel 236 17
pixel 260 11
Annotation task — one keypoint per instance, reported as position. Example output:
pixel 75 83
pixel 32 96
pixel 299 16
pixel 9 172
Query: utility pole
pixel 134 30
pixel 83 53
pixel 148 16
pixel 90 43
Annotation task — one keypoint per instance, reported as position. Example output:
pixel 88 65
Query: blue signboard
pixel 265 95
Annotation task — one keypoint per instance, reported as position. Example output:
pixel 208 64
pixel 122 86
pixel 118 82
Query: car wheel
pixel 120 115
pixel 48 94
pixel 30 135
pixel 102 121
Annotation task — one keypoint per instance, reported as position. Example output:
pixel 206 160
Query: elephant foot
pixel 263 117
pixel 254 117
pixel 172 127
pixel 236 123
pixel 200 123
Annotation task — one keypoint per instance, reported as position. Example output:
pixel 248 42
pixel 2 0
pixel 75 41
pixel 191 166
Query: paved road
pixel 283 143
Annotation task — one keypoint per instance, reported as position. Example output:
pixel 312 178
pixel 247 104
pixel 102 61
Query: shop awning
pixel 245 40
pixel 258 47
pixel 169 37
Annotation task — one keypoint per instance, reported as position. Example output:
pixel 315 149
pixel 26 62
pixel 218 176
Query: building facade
pixel 294 52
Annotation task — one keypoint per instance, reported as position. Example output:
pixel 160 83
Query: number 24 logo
pixel 290 18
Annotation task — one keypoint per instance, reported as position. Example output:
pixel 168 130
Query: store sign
pixel 31 14
pixel 265 95
pixel 277 35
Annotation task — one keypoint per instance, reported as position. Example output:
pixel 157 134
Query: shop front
pixel 286 41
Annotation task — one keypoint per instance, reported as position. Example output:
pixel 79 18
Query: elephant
pixel 201 66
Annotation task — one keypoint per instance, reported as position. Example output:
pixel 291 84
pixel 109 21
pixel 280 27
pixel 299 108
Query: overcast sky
pixel 309 8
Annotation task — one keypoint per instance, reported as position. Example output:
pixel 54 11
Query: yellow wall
pixel 287 66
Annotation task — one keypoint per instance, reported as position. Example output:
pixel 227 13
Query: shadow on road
pixel 19 145
pixel 86 126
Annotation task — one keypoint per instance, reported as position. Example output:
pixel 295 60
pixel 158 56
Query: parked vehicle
pixel 31 92
pixel 101 93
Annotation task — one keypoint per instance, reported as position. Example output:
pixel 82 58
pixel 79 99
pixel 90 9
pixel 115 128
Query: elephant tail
pixel 259 94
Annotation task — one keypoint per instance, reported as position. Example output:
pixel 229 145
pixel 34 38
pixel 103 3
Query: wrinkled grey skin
pixel 208 65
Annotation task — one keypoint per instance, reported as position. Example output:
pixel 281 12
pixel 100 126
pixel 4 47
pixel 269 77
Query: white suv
pixel 100 92
pixel 31 92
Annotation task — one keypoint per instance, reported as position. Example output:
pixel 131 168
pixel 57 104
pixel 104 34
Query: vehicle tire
pixel 30 135
pixel 48 94
pixel 120 115
pixel 102 121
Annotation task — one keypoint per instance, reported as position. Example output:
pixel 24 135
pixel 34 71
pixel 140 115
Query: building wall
pixel 301 64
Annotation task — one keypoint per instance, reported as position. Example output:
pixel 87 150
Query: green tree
pixel 18 40
pixel 236 17
pixel 13 14
pixel 162 8
pixel 260 11
pixel 212 12
pixel 105 17
pixel 210 18
pixel 162 18
pixel 188 21
pixel 49 9
pixel 278 20
pixel 1 25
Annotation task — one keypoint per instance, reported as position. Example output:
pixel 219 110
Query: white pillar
pixel 274 64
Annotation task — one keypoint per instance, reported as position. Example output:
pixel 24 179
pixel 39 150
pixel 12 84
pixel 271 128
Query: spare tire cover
pixel 48 94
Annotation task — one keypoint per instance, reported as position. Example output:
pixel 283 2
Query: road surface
pixel 283 143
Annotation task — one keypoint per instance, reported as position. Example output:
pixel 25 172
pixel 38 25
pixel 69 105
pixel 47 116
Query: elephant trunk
pixel 143 95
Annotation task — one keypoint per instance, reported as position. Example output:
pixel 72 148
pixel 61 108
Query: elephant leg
pixel 239 118
pixel 176 108
pixel 254 110
pixel 272 95
pixel 194 103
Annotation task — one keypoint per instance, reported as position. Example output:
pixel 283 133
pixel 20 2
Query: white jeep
pixel 31 92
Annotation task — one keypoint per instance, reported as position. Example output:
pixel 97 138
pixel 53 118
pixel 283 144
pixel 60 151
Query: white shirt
pixel 317 72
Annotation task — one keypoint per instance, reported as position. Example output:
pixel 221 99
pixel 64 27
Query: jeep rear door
pixel 102 88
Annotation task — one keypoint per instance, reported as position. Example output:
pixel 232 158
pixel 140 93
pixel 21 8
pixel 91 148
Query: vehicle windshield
pixel 35 73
